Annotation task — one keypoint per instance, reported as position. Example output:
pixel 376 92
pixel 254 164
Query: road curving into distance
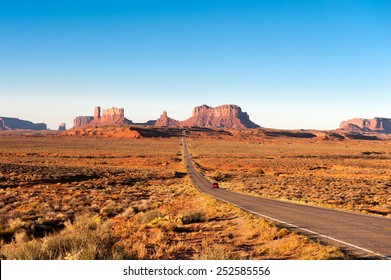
pixel 362 235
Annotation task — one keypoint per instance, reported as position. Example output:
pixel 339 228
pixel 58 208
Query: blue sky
pixel 289 64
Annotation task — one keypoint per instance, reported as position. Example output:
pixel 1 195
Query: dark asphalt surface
pixel 362 235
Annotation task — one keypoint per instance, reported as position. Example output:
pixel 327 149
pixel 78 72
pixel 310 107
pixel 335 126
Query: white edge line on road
pixel 307 230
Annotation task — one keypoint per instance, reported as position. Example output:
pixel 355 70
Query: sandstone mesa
pixel 15 123
pixel 105 117
pixel 382 125
pixel 62 127
pixel 224 116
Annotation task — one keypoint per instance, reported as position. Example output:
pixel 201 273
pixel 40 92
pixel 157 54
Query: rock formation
pixel 164 120
pixel 113 114
pixel 82 121
pixel 148 123
pixel 62 127
pixel 224 116
pixel 14 123
pixel 106 132
pixel 97 113
pixel 109 117
pixel 367 125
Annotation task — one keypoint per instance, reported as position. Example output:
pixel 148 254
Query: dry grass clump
pixel 146 217
pixel 297 247
pixel 211 251
pixel 84 239
pixel 193 216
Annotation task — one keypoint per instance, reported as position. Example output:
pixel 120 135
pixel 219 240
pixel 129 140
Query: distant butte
pixel 164 120
pixel 224 116
pixel 109 117
pixel 14 123
pixel 380 125
pixel 62 127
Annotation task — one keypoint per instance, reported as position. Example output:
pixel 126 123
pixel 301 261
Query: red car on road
pixel 215 185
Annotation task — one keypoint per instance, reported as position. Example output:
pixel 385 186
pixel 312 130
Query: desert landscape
pixel 112 189
pixel 159 134
pixel 73 197
pixel 344 174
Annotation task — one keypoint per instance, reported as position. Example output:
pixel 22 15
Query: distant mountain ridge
pixel 223 116
pixel 15 123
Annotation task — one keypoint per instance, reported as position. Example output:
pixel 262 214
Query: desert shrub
pixel 6 233
pixel 24 251
pixel 108 211
pixel 193 217
pixel 142 205
pixel 129 212
pixel 146 217
pixel 85 239
pixel 221 177
pixel 177 174
pixel 213 252
pixel 282 233
pixel 14 226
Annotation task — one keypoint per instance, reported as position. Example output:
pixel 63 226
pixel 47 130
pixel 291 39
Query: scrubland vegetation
pixel 91 198
pixel 350 174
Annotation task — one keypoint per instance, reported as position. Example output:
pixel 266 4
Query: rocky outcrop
pixel 164 120
pixel 131 132
pixel 82 121
pixel 112 114
pixel 148 123
pixel 97 113
pixel 104 132
pixel 367 125
pixel 224 116
pixel 62 127
pixel 109 117
pixel 14 123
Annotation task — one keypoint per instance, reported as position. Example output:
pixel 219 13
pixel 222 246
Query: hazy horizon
pixel 288 64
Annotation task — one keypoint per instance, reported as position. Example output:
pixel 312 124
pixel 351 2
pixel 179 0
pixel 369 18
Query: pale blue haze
pixel 289 64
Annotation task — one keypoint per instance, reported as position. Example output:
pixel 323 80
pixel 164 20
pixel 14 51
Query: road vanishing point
pixel 364 236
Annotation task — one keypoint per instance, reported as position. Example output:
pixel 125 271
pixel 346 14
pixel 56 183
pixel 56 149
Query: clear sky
pixel 288 64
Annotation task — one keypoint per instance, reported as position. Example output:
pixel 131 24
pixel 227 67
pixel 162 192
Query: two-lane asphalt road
pixel 363 235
